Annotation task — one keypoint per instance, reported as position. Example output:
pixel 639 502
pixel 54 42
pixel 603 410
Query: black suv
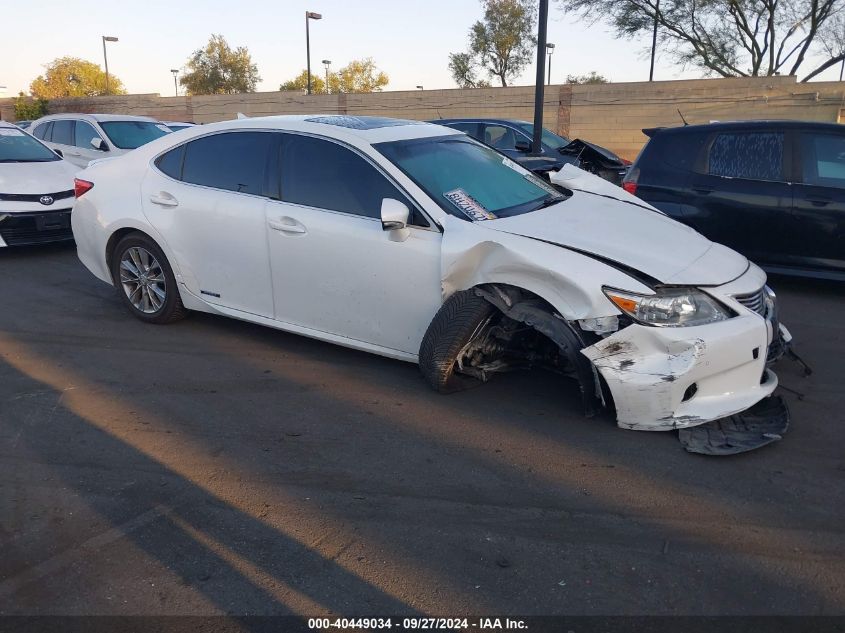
pixel 772 190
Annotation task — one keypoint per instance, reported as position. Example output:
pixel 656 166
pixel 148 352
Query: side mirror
pixel 99 144
pixel 523 146
pixel 59 153
pixel 394 218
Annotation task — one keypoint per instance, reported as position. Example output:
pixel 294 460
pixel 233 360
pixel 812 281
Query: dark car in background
pixel 772 190
pixel 513 138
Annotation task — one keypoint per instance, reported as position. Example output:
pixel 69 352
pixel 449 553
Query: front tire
pixel 454 325
pixel 145 282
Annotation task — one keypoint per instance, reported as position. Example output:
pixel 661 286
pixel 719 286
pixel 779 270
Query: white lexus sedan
pixel 36 190
pixel 416 242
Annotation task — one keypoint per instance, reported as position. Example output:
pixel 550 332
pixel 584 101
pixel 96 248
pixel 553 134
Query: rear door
pixel 207 199
pixel 817 230
pixel 740 195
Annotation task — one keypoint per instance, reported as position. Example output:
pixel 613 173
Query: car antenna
pixel 682 117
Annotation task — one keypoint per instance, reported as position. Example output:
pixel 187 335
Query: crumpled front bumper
pixel 672 378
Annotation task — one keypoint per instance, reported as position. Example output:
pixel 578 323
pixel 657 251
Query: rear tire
pixel 448 333
pixel 145 282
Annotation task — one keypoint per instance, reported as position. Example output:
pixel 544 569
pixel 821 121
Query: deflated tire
pixel 454 325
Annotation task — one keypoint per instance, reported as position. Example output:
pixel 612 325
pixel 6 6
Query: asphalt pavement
pixel 213 466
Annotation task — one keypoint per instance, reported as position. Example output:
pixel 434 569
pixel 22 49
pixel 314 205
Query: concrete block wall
pixel 611 115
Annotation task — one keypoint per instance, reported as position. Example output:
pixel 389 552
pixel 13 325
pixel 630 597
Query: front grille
pixel 754 301
pixel 36 228
pixel 34 197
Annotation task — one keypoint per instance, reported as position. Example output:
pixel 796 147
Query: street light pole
pixel 107 38
pixel 309 15
pixel 327 63
pixel 550 48
pixel 542 24
pixel 654 41
pixel 175 72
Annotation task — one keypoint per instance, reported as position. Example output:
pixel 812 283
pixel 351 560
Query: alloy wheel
pixel 143 281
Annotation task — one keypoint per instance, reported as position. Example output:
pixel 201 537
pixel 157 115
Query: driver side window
pixel 325 175
pixel 83 135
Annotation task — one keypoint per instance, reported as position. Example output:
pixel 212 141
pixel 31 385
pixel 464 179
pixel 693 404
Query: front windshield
pixel 549 139
pixel 17 146
pixel 133 134
pixel 469 180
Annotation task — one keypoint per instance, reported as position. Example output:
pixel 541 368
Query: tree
pixel 216 69
pixel 27 109
pixel 591 78
pixel 728 38
pixel 463 71
pixel 73 77
pixel 300 83
pixel 359 75
pixel 502 44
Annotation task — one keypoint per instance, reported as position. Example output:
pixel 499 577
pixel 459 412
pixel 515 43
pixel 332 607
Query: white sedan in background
pixel 36 190
pixel 81 138
pixel 415 242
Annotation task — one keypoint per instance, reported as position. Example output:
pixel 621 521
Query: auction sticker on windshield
pixel 468 205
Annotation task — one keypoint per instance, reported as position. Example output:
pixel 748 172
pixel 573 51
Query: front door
pixel 83 150
pixel 333 267
pixel 207 198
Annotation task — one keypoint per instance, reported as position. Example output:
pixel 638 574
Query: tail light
pixel 629 184
pixel 81 187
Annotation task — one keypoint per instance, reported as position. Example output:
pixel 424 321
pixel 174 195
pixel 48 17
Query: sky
pixel 410 41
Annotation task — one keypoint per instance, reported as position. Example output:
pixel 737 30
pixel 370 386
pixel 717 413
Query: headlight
pixel 669 307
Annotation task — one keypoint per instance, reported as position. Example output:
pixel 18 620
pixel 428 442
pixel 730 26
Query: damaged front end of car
pixel 710 383
pixel 689 351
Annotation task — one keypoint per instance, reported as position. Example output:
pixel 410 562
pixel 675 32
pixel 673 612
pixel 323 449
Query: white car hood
pixel 32 178
pixel 619 230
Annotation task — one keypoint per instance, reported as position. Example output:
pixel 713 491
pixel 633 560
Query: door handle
pixel 164 199
pixel 287 225
pixel 702 190
pixel 73 153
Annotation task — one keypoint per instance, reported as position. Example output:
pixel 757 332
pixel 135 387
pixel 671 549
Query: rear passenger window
pixel 234 161
pixel 63 132
pixel 749 155
pixel 823 159
pixel 325 175
pixel 171 162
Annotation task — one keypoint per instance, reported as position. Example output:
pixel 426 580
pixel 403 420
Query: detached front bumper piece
pixel 762 424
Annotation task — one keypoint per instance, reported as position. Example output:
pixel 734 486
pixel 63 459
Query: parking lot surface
pixel 214 466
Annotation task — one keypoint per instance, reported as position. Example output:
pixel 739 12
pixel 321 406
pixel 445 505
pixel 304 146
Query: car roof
pixel 757 124
pixel 369 129
pixel 96 117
